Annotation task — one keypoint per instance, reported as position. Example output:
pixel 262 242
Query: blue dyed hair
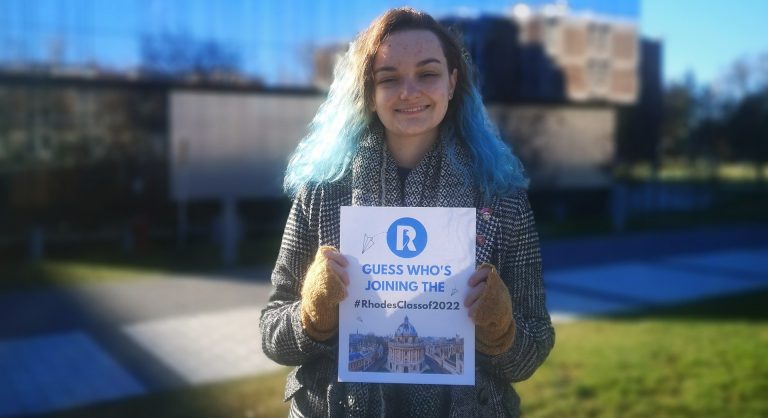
pixel 326 152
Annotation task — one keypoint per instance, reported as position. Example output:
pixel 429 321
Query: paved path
pixel 636 285
pixel 81 345
pixel 600 275
pixel 65 348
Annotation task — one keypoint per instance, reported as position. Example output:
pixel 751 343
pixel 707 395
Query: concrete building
pixel 599 57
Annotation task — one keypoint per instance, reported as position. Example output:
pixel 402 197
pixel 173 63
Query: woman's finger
pixel 479 276
pixel 340 271
pixel 473 295
pixel 336 256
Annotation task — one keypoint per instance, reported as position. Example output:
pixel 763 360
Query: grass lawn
pixel 706 359
pixel 652 368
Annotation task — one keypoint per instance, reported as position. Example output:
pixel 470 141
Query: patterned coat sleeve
pixel 520 268
pixel 282 337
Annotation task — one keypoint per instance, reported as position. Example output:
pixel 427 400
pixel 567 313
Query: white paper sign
pixel 404 319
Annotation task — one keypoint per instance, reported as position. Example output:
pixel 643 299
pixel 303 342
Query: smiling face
pixel 412 86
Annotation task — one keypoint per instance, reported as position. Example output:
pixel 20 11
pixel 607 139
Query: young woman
pixel 404 125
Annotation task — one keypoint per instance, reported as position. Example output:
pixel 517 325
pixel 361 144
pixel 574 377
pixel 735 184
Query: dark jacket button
pixel 480 240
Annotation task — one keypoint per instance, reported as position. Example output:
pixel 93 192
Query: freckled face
pixel 412 85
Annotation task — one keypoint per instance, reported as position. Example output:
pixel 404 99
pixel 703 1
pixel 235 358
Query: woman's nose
pixel 409 89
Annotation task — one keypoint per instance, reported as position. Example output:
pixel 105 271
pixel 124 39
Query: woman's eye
pixel 427 75
pixel 387 80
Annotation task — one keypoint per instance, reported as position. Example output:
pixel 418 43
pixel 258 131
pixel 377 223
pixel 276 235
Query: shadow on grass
pixel 94 263
pixel 751 306
pixel 259 396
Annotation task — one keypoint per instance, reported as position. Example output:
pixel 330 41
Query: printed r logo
pixel 406 237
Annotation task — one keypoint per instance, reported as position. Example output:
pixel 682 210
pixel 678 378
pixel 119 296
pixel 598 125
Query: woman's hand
pixel 325 286
pixel 490 307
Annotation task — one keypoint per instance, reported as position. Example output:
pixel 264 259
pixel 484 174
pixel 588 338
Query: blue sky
pixel 705 36
pixel 273 37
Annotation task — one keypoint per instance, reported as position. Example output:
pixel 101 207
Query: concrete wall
pixel 561 146
pixel 225 145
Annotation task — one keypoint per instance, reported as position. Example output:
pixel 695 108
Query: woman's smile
pixel 412 110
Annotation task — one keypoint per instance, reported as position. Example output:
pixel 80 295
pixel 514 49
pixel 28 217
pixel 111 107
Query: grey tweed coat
pixel 507 238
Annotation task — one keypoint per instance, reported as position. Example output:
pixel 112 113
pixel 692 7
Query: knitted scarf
pixel 433 182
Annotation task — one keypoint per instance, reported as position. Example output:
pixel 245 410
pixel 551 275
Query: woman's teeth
pixel 412 109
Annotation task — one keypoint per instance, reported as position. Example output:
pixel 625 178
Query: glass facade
pixel 266 42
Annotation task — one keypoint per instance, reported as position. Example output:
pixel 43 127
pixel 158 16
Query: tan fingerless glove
pixel 494 325
pixel 320 296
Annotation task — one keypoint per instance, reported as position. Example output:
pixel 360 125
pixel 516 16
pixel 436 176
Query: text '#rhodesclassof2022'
pixel 402 304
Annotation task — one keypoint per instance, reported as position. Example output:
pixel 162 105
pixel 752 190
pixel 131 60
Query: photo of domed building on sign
pixel 406 352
